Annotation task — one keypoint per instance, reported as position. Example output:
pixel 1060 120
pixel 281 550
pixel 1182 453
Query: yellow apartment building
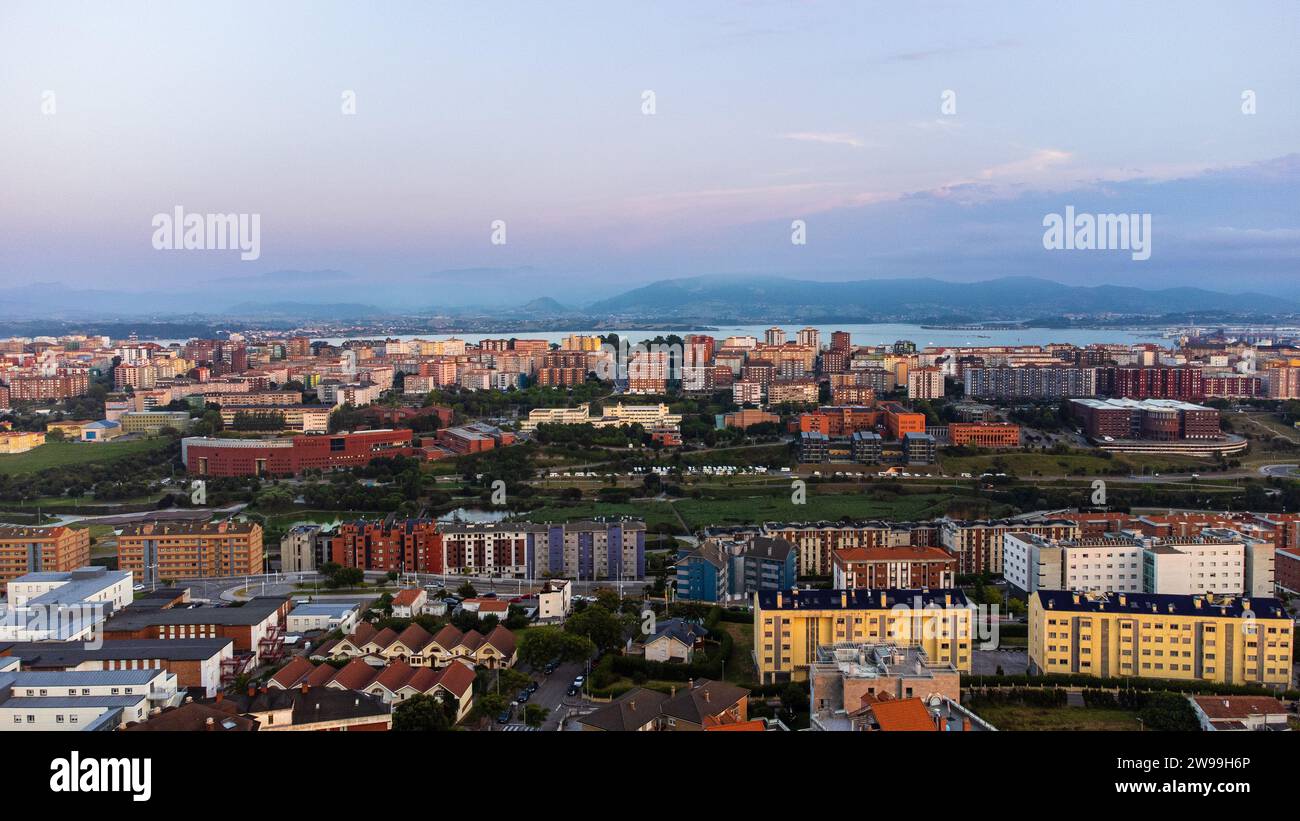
pixel 790 625
pixel 155 551
pixel 1221 639
pixel 34 549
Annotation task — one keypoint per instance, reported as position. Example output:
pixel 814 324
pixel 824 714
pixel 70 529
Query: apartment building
pixel 400 545
pixel 925 383
pixel 904 566
pixel 35 549
pixel 978 545
pixel 301 418
pixel 154 551
pixel 214 456
pixel 791 626
pixel 151 423
pixel 1220 639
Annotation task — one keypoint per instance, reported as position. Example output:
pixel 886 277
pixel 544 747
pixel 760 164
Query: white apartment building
pixel 1216 561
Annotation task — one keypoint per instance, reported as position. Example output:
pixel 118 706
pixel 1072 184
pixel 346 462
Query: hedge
pixel 1148 684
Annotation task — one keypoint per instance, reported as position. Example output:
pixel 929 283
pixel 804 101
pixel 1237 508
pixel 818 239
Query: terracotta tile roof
pixel 362 634
pixel 903 715
pixel 194 717
pixel 905 553
pixel 356 675
pixel 1235 707
pixel 394 677
pixel 408 597
pixel 448 637
pixel 320 676
pixel 457 678
pixel 295 671
pixel 752 726
pixel 415 638
pixel 325 649
pixel 471 641
pixel 424 680
pixel 502 639
pixel 383 638
pixel 490 605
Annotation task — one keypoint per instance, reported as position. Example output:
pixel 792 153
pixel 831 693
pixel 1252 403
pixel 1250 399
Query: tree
pixel 603 628
pixel 488 705
pixel 535 714
pixel 540 645
pixel 466 591
pixel 1170 712
pixel 423 713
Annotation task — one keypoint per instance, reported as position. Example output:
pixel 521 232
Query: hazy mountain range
pixel 709 299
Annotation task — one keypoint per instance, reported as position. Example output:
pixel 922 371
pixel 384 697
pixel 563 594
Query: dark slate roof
pixel 36 654
pixel 1164 604
pixel 254 612
pixel 706 698
pixel 630 711
pixel 684 631
pixel 862 599
pixel 769 547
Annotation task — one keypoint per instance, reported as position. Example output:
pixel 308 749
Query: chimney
pixel 252 691
pixel 631 705
pixel 707 695
pixel 209 724
pixel 778 600
pixel 1245 603
pixel 965 725
pixel 1123 601
pixel 305 688
pixel 844 599
pixel 221 695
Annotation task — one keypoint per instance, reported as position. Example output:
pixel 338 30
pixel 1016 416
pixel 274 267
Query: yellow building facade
pixel 1220 639
pixel 789 626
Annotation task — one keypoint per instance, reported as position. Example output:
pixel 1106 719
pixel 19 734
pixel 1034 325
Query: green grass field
pixel 1050 464
pixel 829 507
pixel 1016 717
pixel 63 454
pixel 654 513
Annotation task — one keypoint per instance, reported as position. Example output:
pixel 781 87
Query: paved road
pixel 1014 661
pixel 1285 471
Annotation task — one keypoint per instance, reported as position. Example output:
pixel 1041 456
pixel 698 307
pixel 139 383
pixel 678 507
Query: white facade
pixel 555 600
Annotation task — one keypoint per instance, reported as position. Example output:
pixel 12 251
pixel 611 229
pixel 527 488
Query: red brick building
pixel 909 567
pixel 984 434
pixel 404 546
pixel 211 456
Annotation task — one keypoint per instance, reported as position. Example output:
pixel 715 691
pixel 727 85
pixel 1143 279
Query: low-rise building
pixel 908 566
pixel 1237 713
pixel 155 551
pixel 323 615
pixel 555 601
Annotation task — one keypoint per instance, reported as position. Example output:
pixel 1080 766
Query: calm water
pixel 873 334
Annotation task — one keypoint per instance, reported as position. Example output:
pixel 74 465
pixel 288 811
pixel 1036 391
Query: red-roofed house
pixel 409 603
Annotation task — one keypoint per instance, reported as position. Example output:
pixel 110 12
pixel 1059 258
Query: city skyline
pixel 914 144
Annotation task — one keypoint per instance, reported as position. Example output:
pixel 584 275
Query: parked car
pixel 524 695
pixel 574 689
pixel 503 717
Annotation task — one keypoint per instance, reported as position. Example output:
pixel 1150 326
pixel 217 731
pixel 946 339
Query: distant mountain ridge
pixel 1007 299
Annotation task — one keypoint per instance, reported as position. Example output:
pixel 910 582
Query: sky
pixel 535 114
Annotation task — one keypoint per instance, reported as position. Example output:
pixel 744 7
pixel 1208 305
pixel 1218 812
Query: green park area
pixel 65 454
